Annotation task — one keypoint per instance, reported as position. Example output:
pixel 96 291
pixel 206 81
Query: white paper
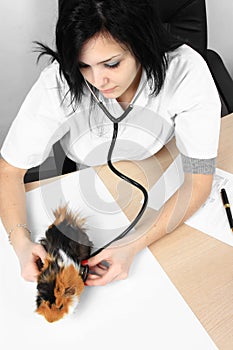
pixel 167 184
pixel 211 218
pixel 144 311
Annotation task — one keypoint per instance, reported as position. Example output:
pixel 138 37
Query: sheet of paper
pixel 144 311
pixel 167 184
pixel 211 218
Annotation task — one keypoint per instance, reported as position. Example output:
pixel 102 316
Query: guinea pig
pixel 62 276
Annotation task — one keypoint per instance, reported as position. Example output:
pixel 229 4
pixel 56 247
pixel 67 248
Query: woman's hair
pixel 133 23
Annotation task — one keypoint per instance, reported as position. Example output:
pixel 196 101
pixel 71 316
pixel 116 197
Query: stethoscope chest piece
pixel 84 271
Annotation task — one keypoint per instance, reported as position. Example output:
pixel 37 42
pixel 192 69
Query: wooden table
pixel 200 266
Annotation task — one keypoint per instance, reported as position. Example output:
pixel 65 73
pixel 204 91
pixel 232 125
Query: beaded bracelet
pixel 14 228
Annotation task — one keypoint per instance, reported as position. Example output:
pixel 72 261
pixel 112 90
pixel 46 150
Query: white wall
pixel 220 29
pixel 21 22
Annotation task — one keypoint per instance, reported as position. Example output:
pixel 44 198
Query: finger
pixel 96 270
pixel 40 251
pixel 104 265
pixel 98 259
pixel 34 278
pixel 30 278
pixel 106 278
pixel 30 274
pixel 92 277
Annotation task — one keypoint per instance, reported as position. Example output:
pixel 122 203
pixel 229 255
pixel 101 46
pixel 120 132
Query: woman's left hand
pixel 111 264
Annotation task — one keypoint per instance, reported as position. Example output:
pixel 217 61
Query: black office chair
pixel 187 20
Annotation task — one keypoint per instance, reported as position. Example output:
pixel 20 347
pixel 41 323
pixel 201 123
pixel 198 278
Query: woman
pixel 119 51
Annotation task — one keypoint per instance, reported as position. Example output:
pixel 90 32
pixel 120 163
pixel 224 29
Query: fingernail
pixel 84 262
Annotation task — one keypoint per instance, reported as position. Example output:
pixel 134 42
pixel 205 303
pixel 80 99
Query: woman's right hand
pixel 29 254
pixel 13 211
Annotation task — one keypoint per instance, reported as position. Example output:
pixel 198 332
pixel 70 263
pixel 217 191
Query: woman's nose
pixel 99 79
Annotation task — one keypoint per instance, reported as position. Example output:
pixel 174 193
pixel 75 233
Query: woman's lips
pixel 107 91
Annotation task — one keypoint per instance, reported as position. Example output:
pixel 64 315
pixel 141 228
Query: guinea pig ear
pixel 71 281
pixel 70 291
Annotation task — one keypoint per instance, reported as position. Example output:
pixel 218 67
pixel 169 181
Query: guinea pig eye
pixel 61 307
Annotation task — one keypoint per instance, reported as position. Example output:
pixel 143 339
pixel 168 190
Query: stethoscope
pixel 116 121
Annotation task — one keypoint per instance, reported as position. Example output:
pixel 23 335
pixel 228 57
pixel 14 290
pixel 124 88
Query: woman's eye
pixel 112 65
pixel 83 66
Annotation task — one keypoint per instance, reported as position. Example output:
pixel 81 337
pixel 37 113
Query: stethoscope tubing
pixel 132 182
pixel 116 121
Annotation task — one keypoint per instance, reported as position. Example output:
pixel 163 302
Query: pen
pixel 227 207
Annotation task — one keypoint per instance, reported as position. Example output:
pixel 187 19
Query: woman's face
pixel 111 68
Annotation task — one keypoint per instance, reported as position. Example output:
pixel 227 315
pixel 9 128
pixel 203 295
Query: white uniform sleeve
pixel 196 106
pixel 38 125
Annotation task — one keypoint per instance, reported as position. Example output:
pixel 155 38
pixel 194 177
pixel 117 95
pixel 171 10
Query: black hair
pixel 133 23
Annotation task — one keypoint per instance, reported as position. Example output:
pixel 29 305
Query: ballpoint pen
pixel 227 207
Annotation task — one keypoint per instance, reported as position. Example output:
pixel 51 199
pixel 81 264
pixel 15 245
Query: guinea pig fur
pixel 59 284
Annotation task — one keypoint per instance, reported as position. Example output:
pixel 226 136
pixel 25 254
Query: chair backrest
pixel 186 19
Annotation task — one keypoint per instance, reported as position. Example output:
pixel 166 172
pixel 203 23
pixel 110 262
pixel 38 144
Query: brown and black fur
pixel 59 284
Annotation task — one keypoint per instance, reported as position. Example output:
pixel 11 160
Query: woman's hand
pixel 13 211
pixel 111 264
pixel 29 254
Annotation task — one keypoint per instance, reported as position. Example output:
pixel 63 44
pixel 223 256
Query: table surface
pixel 200 266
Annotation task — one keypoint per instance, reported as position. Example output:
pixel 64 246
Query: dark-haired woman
pixel 115 51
